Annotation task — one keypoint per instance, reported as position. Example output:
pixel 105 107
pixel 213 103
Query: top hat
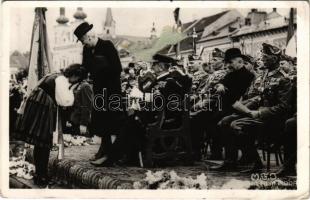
pixel 233 53
pixel 271 50
pixel 82 29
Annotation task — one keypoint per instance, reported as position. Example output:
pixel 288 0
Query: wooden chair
pixel 173 144
pixel 276 150
pixel 272 146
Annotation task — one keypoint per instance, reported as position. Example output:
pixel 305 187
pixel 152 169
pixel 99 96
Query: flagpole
pixel 178 29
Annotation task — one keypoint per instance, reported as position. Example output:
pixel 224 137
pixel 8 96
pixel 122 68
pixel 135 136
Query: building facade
pixel 273 30
pixel 230 29
pixel 247 33
pixel 66 50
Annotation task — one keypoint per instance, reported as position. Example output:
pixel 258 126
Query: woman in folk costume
pixel 38 121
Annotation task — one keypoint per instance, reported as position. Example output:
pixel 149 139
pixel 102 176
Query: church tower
pixel 79 17
pixel 65 48
pixel 153 32
pixel 61 29
pixel 109 25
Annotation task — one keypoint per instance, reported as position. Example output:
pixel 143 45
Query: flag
pixel 40 62
pixel 291 46
pixel 178 23
pixel 176 13
pixel 290 31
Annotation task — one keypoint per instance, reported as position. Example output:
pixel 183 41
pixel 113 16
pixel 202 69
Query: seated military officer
pixel 199 76
pixel 166 82
pixel 266 120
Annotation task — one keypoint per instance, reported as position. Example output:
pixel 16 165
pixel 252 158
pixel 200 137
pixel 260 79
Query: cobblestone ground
pixel 216 180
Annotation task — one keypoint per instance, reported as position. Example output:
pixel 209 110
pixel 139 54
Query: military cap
pixel 163 58
pixel 271 50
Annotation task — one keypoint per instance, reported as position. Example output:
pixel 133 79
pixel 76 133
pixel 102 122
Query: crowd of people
pixel 251 100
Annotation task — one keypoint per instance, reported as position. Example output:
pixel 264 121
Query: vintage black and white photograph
pixel 155 98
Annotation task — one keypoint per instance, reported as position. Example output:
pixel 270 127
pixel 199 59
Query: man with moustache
pixel 265 120
pixel 101 59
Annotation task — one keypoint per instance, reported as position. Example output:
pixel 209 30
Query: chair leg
pixel 148 161
pixel 268 160
pixel 277 157
pixel 264 154
pixel 280 157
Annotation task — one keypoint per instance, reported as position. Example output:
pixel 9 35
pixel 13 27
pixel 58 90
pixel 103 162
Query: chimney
pixel 274 9
pixel 255 17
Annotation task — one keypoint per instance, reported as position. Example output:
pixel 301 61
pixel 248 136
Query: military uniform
pixel 199 81
pixel 132 137
pixel 273 107
pixel 214 79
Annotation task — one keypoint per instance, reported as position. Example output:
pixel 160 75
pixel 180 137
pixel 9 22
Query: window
pixel 247 21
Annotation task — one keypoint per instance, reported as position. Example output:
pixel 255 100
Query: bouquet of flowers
pixel 21 168
pixel 76 140
pixel 170 180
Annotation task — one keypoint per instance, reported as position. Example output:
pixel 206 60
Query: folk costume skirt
pixel 38 121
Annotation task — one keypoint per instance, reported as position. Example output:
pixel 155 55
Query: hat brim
pixel 86 31
pixel 244 57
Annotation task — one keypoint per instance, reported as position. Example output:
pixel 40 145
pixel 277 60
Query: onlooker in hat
pixel 101 59
pixel 217 59
pixel 286 64
pixel 217 65
pixel 199 76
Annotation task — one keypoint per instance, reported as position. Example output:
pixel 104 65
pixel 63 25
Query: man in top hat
pixel 231 88
pixel 101 59
pixel 266 120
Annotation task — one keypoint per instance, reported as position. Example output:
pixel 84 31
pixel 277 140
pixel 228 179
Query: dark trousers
pixel 229 137
pixel 204 126
pixel 198 127
pixel 246 130
pixel 41 157
pixel 105 148
pixel 290 143
pixel 130 141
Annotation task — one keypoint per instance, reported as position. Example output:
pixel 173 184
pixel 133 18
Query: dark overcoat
pixel 105 68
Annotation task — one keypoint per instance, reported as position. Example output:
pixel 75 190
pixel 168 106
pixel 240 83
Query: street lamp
pixel 194 36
